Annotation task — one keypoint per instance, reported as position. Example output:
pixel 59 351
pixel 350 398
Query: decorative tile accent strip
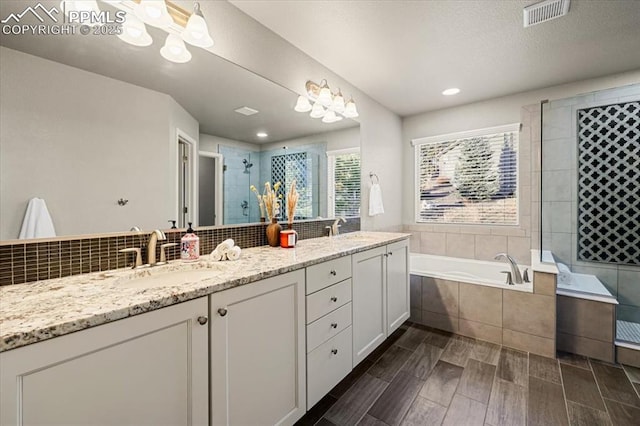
pixel 34 261
pixel 609 184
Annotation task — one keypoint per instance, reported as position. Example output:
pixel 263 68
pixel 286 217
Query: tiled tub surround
pixel 35 260
pixel 520 318
pixel 38 311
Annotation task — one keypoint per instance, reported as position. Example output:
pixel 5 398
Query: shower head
pixel 247 165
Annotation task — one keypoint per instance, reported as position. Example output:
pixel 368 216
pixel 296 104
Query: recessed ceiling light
pixel 261 135
pixel 452 91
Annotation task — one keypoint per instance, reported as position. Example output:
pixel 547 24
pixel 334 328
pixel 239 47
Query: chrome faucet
pixel 151 245
pixel 335 228
pixel 515 271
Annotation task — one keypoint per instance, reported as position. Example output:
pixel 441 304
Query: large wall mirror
pixel 114 136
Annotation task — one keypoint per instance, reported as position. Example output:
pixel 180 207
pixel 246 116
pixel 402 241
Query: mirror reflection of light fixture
pixel 319 96
pixel 174 50
pixel 196 32
pixel 184 26
pixel 154 13
pixel 134 32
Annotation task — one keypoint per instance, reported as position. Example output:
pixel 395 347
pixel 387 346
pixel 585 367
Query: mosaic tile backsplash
pixel 22 262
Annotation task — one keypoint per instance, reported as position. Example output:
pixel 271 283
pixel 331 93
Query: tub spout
pixel 515 271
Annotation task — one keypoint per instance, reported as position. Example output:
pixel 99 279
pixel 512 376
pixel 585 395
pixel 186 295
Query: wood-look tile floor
pixel 423 376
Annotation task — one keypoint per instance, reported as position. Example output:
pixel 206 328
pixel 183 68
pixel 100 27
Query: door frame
pixel 192 185
pixel 219 188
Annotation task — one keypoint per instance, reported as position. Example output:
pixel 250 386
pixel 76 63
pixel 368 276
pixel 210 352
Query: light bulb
pixel 196 32
pixel 154 13
pixel 338 103
pixel 174 50
pixel 324 97
pixel 317 111
pixel 134 32
pixel 329 117
pixel 350 110
pixel 450 92
pixel 303 104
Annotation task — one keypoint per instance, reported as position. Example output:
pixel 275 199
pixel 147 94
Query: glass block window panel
pixel 343 182
pixel 468 178
pixel 609 184
pixel 286 168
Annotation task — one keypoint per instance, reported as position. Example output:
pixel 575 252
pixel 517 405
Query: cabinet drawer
pixel 328 326
pixel 327 365
pixel 329 299
pixel 325 274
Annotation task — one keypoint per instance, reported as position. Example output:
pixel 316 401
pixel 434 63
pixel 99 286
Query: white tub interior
pixel 472 271
pixel 584 286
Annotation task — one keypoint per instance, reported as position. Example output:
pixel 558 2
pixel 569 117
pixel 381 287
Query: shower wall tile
pixel 629 287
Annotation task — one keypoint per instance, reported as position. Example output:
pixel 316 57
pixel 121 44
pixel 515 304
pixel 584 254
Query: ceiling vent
pixel 545 11
pixel 246 111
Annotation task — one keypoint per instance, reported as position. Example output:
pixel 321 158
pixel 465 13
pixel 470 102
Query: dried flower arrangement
pixel 292 201
pixel 271 198
pixel 259 197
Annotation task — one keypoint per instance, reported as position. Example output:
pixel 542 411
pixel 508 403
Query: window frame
pixel 331 188
pixel 467 134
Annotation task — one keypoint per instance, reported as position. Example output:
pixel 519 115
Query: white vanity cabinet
pixel 329 333
pixel 258 352
pixel 148 369
pixel 397 284
pixel 380 295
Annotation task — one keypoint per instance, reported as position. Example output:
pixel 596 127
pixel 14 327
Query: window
pixel 343 182
pixel 287 168
pixel 468 177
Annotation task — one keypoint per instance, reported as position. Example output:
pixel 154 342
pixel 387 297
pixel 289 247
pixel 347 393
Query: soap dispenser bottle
pixel 190 246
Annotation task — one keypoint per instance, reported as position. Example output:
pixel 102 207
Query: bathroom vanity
pixel 256 341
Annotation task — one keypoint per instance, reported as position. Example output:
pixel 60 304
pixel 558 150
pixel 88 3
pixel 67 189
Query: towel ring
pixel 372 175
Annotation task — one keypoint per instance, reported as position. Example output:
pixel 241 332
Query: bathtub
pixel 471 271
pixel 585 286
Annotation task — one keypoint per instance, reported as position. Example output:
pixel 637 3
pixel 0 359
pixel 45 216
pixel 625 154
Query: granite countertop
pixel 37 311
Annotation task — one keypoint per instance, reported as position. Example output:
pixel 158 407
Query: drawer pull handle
pixel 334 351
pixel 202 320
pixel 333 272
pixel 222 312
pixel 334 299
pixel 334 325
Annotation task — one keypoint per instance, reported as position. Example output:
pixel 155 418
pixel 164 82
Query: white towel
pixel 225 246
pixel 234 253
pixel 216 256
pixel 375 200
pixel 564 274
pixel 37 222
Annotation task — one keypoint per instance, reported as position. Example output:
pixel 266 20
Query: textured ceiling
pixel 404 53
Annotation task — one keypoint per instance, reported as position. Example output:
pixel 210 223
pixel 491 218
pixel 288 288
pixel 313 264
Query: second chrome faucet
pixel 515 270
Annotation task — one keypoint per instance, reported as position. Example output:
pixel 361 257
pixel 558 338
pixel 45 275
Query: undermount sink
pixel 167 279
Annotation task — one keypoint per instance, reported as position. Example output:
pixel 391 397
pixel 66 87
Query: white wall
pixel 493 112
pixel 81 141
pixel 244 41
pixel 337 139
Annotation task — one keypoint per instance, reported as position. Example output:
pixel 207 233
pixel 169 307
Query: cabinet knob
pixel 222 312
pixel 334 299
pixel 202 320
pixel 390 253
pixel 334 351
pixel 333 272
pixel 386 255
pixel 334 325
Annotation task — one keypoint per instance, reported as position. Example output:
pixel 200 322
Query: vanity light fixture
pixel 320 102
pixel 196 32
pixel 135 32
pixel 179 23
pixel 450 92
pixel 154 13
pixel 174 50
